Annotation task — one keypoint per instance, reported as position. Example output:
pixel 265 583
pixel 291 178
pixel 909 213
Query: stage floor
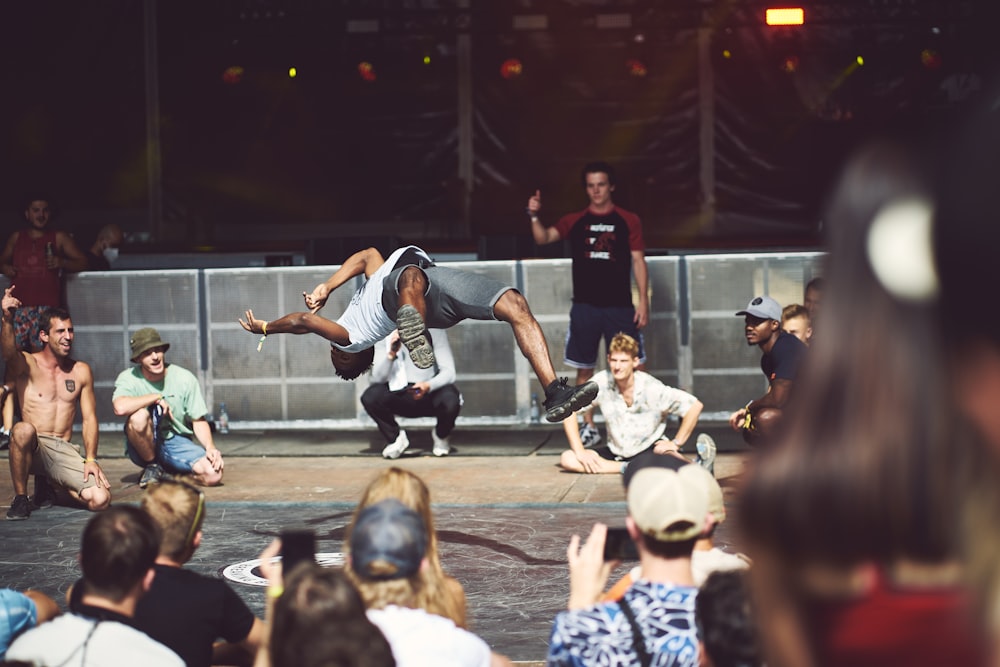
pixel 504 514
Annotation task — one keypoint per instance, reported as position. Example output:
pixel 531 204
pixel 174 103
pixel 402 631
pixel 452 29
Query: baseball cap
pixel 667 506
pixel 692 471
pixel 17 614
pixel 763 306
pixel 388 541
pixel 145 339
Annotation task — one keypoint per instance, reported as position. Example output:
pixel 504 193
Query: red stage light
pixel 635 67
pixel 366 71
pixel 232 75
pixel 511 68
pixel 930 59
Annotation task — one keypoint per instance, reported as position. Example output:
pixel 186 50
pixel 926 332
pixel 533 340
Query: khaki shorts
pixel 61 462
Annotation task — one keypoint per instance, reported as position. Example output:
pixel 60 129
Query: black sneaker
pixel 152 474
pixel 4 439
pixel 20 509
pixel 414 335
pixel 561 400
pixel 45 495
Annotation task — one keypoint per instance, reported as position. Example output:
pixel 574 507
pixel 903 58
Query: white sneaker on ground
pixel 706 452
pixel 589 435
pixel 397 446
pixel 441 446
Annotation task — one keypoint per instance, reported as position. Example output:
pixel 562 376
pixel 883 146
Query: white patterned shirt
pixel 634 428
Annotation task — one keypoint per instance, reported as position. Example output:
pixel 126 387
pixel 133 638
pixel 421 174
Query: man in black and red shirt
pixel 607 249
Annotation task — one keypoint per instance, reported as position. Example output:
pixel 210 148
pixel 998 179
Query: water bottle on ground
pixel 536 412
pixel 223 419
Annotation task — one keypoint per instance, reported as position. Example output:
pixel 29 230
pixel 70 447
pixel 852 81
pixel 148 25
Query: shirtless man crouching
pixel 49 383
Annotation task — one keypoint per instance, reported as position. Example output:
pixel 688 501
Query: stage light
pixel 785 16
pixel 790 64
pixel 931 59
pixel 366 71
pixel 427 60
pixel 511 68
pixel 635 67
pixel 232 75
pixel 292 72
pixel 727 54
pixel 860 60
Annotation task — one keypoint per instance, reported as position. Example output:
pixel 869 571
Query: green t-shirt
pixel 180 390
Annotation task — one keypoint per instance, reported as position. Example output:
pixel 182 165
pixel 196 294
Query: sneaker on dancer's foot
pixel 45 495
pixel 413 333
pixel 561 400
pixel 395 448
pixel 152 474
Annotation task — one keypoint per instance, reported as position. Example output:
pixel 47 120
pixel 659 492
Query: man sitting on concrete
pixel 117 552
pixel 667 513
pixel 400 388
pixel 164 408
pixel 635 406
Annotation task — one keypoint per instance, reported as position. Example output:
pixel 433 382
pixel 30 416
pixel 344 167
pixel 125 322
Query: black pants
pixel 384 406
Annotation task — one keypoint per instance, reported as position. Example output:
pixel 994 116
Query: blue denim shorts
pixel 178 454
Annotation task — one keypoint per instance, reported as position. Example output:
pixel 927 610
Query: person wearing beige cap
pixel 667 513
pixel 164 407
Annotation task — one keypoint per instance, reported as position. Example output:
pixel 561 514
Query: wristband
pixel 90 459
pixel 260 343
pixel 275 592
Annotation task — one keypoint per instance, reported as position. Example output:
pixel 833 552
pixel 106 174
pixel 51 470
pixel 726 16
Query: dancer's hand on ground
pixel 588 572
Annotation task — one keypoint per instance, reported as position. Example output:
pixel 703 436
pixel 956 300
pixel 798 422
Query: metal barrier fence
pixel 693 340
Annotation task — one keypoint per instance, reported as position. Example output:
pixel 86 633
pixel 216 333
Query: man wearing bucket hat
pixel 780 363
pixel 164 407
pixel 667 513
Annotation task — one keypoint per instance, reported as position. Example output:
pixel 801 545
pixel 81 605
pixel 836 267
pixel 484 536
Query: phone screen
pixel 619 545
pixel 298 545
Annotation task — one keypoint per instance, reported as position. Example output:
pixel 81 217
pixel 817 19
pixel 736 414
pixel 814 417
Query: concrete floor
pixel 504 514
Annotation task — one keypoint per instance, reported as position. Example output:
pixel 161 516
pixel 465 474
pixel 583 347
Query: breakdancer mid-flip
pixel 408 292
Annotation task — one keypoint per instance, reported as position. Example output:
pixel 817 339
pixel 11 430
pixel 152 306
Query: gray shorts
pixel 452 295
pixel 61 462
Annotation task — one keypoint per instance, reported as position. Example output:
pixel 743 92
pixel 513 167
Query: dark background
pixel 273 162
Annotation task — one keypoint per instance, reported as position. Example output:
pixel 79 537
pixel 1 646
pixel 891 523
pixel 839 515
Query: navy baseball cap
pixel 388 541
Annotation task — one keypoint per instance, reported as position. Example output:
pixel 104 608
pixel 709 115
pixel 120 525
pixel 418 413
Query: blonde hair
pixel 430 589
pixel 624 343
pixel 178 509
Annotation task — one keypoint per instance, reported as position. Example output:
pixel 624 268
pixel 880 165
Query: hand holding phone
pixel 619 545
pixel 298 545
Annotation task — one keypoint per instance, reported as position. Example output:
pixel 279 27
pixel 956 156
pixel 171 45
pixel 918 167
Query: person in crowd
pixel 20 612
pixel 667 513
pixel 388 549
pixel 965 239
pixel 104 251
pixel 184 610
pixel 727 624
pixel 440 594
pixel 812 295
pixel 163 408
pixel 38 258
pixel 49 384
pixel 635 406
pixel 795 320
pixel 409 292
pixel 782 355
pixel 607 247
pixel 398 387
pixel 117 552
pixel 853 517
